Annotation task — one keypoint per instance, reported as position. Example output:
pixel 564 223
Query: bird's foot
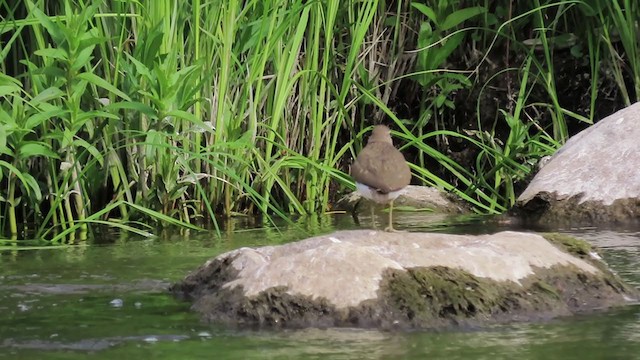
pixel 392 230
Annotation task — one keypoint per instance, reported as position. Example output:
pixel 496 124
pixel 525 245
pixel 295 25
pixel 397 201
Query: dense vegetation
pixel 183 112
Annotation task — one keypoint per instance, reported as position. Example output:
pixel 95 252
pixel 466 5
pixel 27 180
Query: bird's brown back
pixel 382 167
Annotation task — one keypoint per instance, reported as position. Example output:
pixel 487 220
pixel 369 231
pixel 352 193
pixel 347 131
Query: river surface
pixel 107 299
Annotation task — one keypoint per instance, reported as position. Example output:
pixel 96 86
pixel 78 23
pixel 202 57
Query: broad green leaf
pixel 47 94
pixel 6 79
pixel 177 192
pixel 78 89
pixel 140 67
pixel 6 119
pixel 96 114
pixel 427 11
pixel 83 58
pixel 8 89
pixel 591 8
pixel 30 183
pixel 53 53
pixel 91 149
pixel 113 161
pixel 54 29
pixel 3 141
pixel 185 115
pixel 460 16
pixel 27 180
pixel 37 119
pixel 131 105
pixel 53 71
pixel 160 216
pixel 249 37
pixel 97 81
pixel 9 85
pixel 491 19
pixel 91 37
pixel 184 72
pixel 458 78
pixel 152 140
pixel 44 107
pixel 29 149
pixel 576 51
pixel 425 36
pixel 443 52
pixel 151 48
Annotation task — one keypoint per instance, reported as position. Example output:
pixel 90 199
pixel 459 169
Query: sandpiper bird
pixel 380 170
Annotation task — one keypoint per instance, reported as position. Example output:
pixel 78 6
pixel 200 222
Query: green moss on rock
pixel 415 298
pixel 570 244
pixel 451 296
pixel 582 249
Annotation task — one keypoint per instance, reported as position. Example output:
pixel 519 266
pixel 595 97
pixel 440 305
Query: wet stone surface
pixel 409 280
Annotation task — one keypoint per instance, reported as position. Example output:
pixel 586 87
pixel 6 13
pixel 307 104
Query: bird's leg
pixel 390 227
pixel 373 216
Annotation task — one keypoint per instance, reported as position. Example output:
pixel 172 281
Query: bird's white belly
pixel 378 197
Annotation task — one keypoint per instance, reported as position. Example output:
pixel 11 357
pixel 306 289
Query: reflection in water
pixel 88 344
pixel 329 343
pixel 59 300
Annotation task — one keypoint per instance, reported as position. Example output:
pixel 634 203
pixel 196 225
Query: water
pixel 108 300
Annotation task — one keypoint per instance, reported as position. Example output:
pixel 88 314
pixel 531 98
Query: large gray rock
pixel 410 280
pixel 593 178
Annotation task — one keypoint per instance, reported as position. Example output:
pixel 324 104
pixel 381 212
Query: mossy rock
pixel 404 281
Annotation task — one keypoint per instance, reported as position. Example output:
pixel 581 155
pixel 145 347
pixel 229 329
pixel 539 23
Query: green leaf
pixel 7 120
pixel 97 81
pixel 8 89
pixel 591 8
pixel 427 11
pixel 6 79
pixel 52 28
pixel 576 51
pixel 9 85
pixel 83 58
pixel 185 115
pixel 442 53
pixel 78 89
pixel 47 94
pixel 53 53
pixel 53 71
pixel 151 48
pixel 491 19
pixel 29 182
pixel 37 119
pixel 425 36
pixel 186 71
pixel 3 141
pixel 96 114
pixel 67 139
pixel 132 105
pixel 113 161
pixel 33 148
pixel 460 16
pixel 140 67
pixel 152 140
pixel 90 148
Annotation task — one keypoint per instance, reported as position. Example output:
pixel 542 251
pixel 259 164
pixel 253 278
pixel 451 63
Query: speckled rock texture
pixel 413 197
pixel 366 278
pixel 593 179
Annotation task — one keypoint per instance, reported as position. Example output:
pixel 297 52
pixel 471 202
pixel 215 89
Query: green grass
pixel 187 113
